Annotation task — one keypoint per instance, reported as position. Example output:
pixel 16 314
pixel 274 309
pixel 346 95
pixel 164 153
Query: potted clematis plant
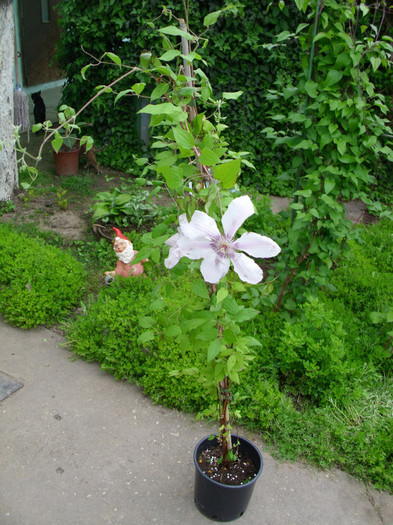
pixel 200 171
pixel 225 471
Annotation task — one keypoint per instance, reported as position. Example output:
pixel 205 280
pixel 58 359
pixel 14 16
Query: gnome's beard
pixel 127 255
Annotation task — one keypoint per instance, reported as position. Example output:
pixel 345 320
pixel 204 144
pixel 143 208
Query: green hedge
pixel 236 61
pixel 39 284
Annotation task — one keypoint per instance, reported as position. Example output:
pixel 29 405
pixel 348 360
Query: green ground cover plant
pixel 39 284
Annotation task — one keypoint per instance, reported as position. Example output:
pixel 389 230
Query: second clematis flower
pixel 201 239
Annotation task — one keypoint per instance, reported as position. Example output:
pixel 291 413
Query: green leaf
pixel 146 322
pixel 304 144
pixel 200 289
pixel 138 88
pixel 248 340
pixel 234 376
pixel 333 77
pixel 191 324
pixel 145 60
pixel 122 94
pixel 213 350
pixel 83 71
pixel 228 173
pixel 329 185
pixel 208 157
pixel 231 362
pixel 57 143
pixel 375 62
pixel 245 315
pixel 221 294
pixel 175 31
pixel 183 138
pixel 166 108
pixel 311 88
pixel 211 18
pixel 115 58
pixel 159 91
pixel 170 55
pixel 173 331
pixel 145 337
pixel 284 35
pixel 209 334
pixel 232 95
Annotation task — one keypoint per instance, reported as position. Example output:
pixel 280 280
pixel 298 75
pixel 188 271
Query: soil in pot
pixel 236 473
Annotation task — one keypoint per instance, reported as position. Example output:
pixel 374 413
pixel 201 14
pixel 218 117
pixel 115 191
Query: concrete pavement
pixel 79 448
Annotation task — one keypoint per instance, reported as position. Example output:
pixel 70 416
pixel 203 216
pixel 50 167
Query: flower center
pixel 222 246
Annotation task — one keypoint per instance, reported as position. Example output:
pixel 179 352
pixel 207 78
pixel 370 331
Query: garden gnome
pixel 125 254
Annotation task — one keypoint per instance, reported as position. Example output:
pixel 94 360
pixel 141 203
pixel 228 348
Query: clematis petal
pixel 237 212
pixel 172 241
pixel 214 267
pixel 173 258
pixel 256 245
pixel 201 224
pixel 246 268
pixel 195 248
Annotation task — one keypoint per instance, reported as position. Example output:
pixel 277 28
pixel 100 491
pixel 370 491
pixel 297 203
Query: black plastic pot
pixel 224 502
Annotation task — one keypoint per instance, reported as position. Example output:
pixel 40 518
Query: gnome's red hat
pixel 120 235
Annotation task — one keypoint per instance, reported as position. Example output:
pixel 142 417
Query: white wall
pixel 8 171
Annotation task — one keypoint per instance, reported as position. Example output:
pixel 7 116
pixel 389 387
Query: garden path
pixel 79 448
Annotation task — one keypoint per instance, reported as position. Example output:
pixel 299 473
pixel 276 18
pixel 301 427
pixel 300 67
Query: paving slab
pixel 79 448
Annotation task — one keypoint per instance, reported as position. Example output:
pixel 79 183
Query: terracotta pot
pixel 67 161
pixel 221 502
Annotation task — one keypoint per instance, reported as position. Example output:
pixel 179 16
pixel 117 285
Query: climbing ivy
pixel 337 131
pixel 235 59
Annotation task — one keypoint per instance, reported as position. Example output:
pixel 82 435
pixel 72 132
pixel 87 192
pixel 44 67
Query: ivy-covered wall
pixel 236 61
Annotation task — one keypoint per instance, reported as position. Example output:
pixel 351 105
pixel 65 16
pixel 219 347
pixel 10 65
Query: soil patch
pixel 236 473
pixel 62 205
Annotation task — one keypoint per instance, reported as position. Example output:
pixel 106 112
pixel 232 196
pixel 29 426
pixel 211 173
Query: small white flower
pixel 201 239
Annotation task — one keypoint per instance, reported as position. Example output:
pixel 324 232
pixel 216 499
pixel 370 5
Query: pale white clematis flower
pixel 201 239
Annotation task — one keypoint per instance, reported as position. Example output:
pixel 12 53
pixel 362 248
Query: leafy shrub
pixel 108 332
pixel 40 283
pixel 126 206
